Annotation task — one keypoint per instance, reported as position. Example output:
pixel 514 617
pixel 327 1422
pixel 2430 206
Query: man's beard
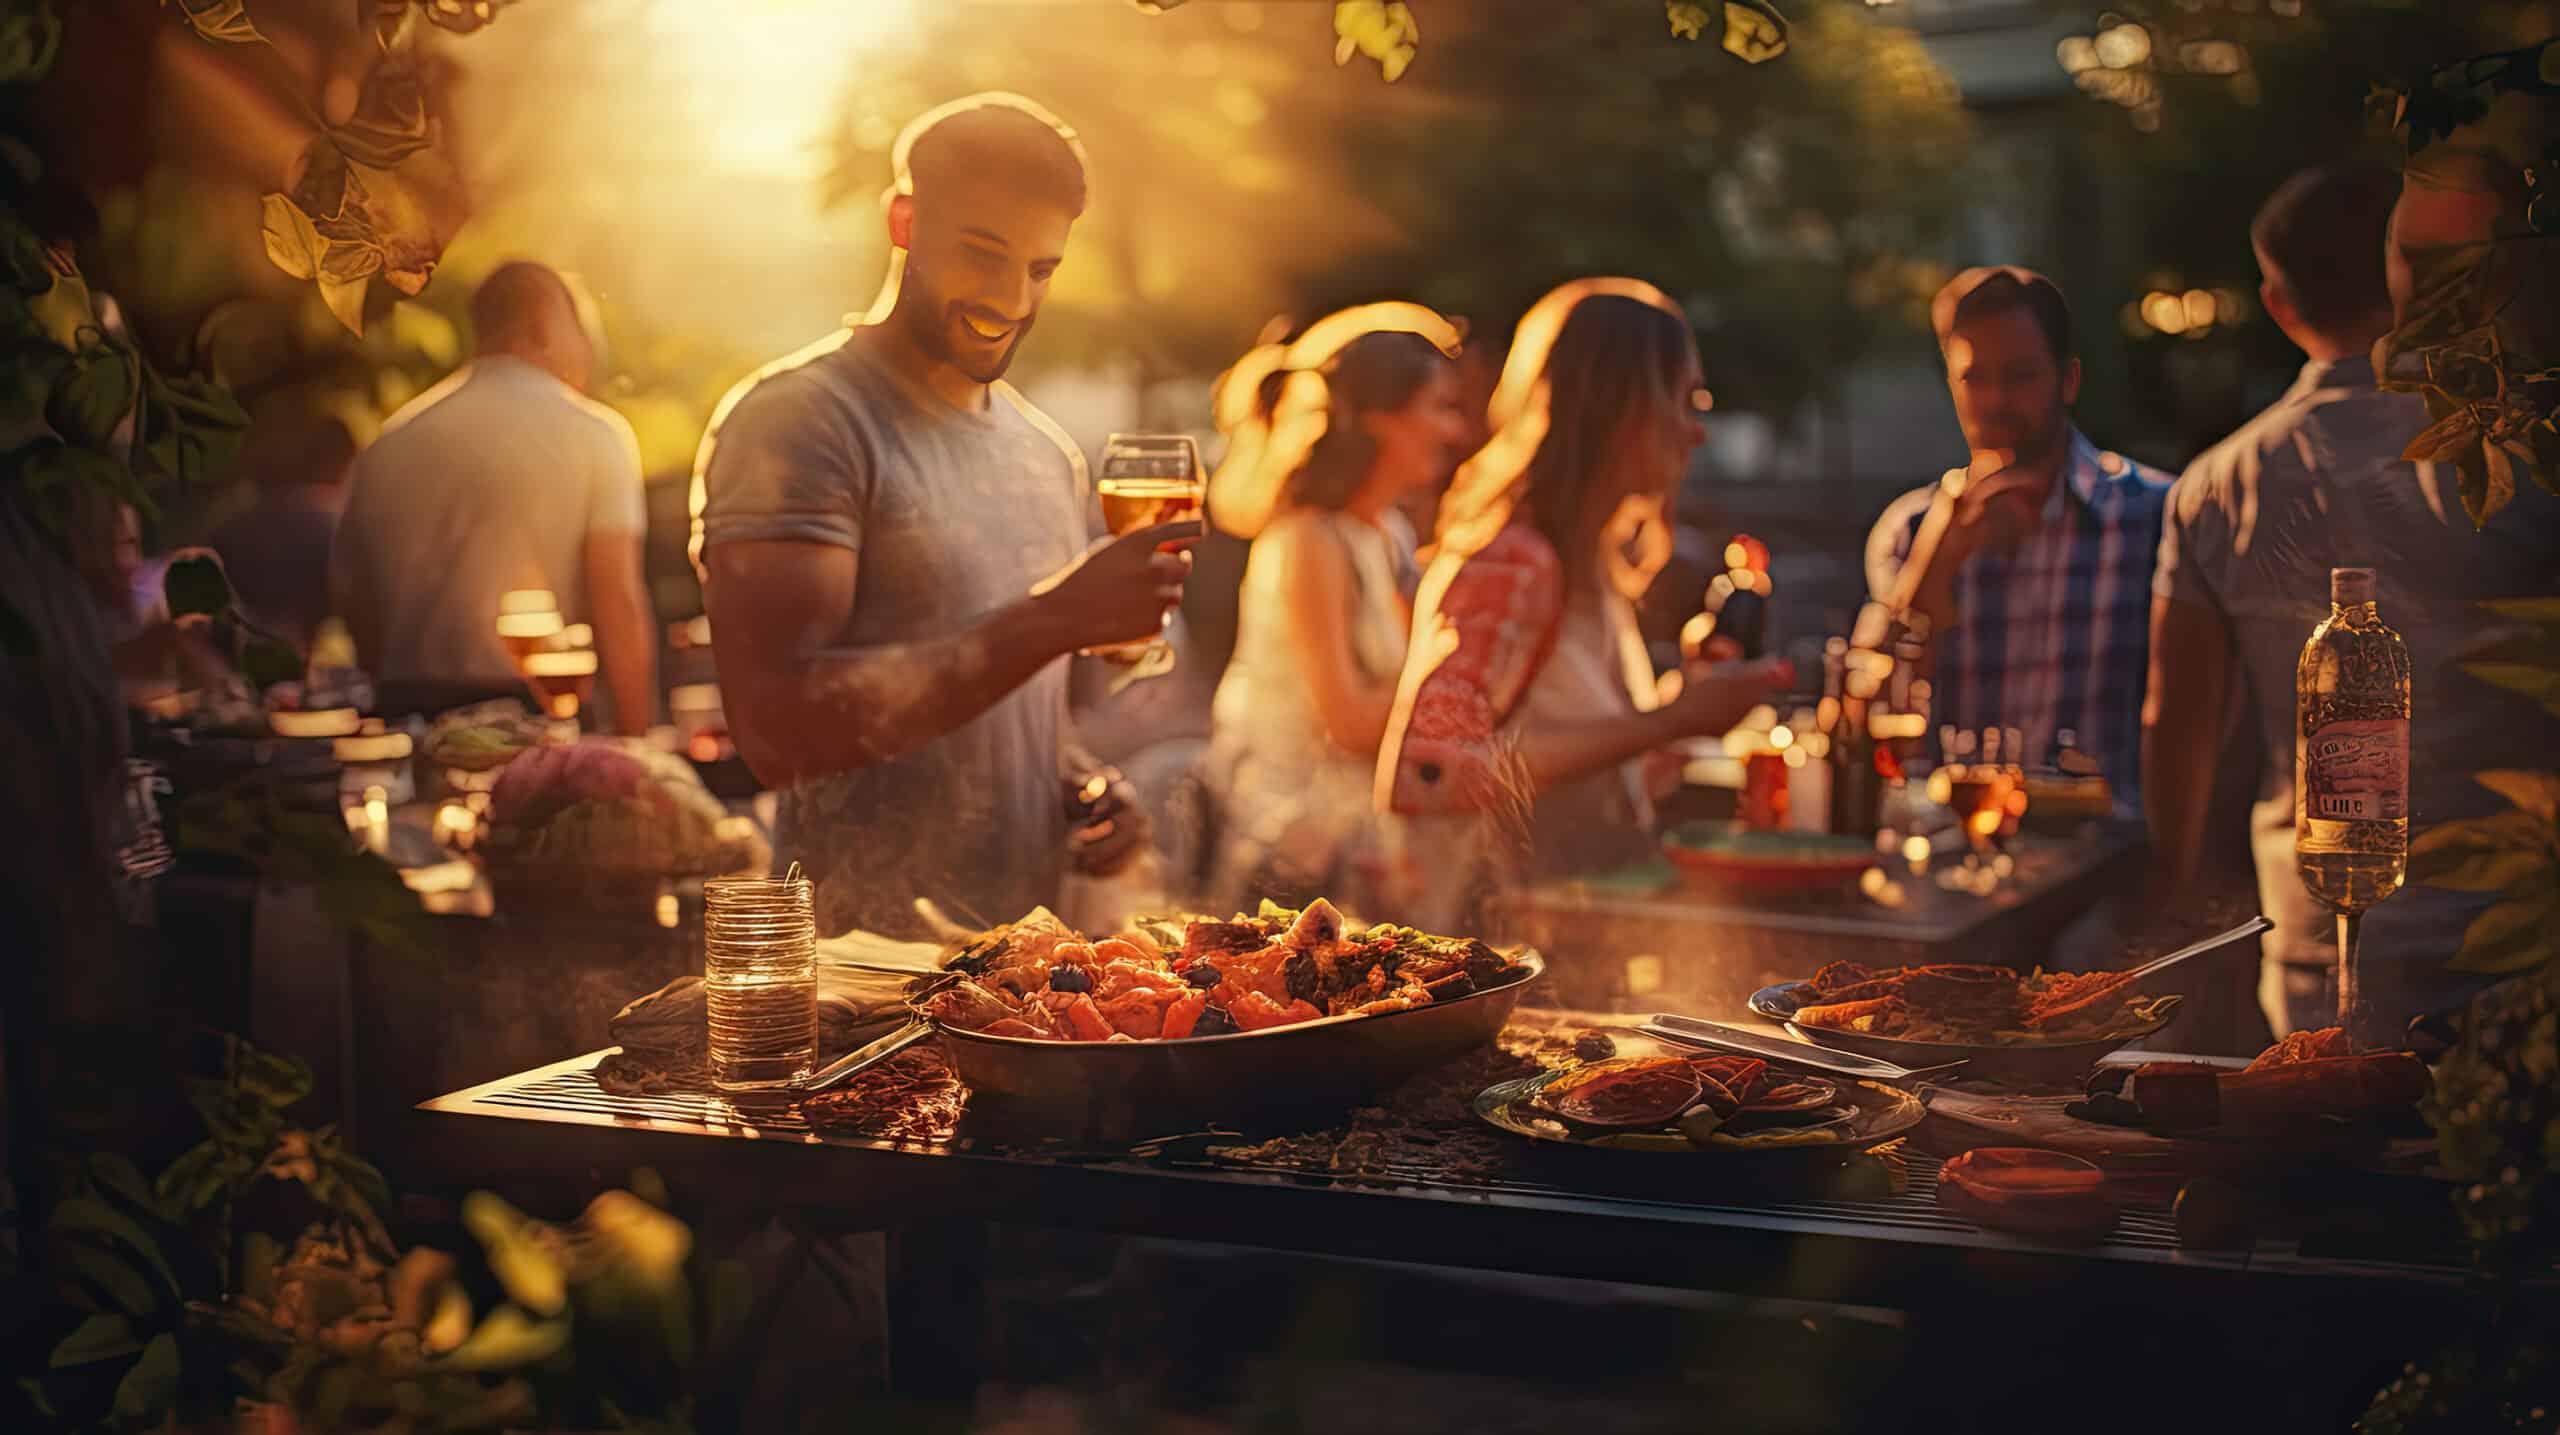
pixel 931 323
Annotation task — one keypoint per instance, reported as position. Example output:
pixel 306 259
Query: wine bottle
pixel 2351 765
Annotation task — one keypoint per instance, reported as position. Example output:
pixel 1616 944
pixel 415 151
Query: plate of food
pixel 1717 1105
pixel 1775 863
pixel 482 737
pixel 1188 1019
pixel 607 821
pixel 2039 1028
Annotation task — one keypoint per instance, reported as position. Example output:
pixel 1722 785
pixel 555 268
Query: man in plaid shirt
pixel 2032 564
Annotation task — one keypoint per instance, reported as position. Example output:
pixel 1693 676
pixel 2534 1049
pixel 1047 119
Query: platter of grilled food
pixel 1699 1103
pixel 2040 1027
pixel 1188 1019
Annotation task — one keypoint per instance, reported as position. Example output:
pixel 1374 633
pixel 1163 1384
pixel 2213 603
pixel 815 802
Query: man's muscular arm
pixel 799 707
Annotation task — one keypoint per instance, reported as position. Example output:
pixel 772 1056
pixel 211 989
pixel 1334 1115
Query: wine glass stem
pixel 2350 984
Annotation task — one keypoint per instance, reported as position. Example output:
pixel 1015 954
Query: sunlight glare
pixel 774 73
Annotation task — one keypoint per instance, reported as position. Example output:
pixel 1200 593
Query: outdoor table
pixel 1649 939
pixel 1539 1210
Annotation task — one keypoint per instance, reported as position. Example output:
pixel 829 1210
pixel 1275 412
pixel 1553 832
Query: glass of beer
pixel 1984 782
pixel 1148 479
pixel 564 681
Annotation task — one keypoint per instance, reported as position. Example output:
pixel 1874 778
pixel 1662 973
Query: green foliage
pixel 2514 854
pixel 82 412
pixel 1795 207
pixel 2480 341
pixel 2496 1113
pixel 2450 96
pixel 375 198
pixel 245 820
pixel 2480 335
pixel 2527 661
pixel 2496 1105
pixel 1388 32
pixel 2474 1390
pixel 174 1315
pixel 30 38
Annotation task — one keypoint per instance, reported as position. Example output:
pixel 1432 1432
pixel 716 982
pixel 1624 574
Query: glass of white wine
pixel 1148 479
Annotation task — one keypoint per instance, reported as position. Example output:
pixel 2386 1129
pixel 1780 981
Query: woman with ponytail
pixel 1324 436
pixel 1527 703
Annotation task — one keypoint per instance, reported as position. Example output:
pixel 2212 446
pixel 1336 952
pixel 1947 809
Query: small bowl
pixel 2028 1190
pixel 1771 863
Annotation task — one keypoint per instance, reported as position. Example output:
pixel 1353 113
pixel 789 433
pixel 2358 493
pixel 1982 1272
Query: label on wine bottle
pixel 2357 771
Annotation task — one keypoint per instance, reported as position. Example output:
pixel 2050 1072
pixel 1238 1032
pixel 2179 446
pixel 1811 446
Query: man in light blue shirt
pixel 2254 526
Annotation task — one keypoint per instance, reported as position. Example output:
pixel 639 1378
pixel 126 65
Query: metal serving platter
pixel 2024 1063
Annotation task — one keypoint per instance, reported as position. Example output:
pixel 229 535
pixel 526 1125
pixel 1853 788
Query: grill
pixel 567 1091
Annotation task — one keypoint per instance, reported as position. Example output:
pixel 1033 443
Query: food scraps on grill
pixel 1167 980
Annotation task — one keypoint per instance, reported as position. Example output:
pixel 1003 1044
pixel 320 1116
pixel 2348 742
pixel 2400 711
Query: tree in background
pixel 2204 108
pixel 1797 202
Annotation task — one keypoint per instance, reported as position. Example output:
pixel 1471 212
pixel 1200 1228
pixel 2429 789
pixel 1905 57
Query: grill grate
pixel 574 1091
pixel 2143 1233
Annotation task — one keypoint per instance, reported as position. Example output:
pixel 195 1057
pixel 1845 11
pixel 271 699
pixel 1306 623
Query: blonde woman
pixel 1527 704
pixel 1325 436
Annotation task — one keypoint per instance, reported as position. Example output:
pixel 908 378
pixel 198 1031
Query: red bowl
pixel 2024 1188
pixel 1773 863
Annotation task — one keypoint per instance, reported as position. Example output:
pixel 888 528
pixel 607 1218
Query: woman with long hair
pixel 1324 436
pixel 1527 703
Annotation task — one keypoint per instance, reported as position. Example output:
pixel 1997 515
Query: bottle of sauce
pixel 2351 766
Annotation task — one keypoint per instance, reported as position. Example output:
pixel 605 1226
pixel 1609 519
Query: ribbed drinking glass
pixel 760 979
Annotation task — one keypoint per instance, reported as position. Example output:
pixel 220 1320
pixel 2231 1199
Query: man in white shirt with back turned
pixel 502 478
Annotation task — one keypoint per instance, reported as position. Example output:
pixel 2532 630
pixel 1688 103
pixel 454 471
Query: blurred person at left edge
pixel 893 544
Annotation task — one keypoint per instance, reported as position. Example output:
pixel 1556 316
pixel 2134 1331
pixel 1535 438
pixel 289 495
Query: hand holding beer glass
pixel 1148 479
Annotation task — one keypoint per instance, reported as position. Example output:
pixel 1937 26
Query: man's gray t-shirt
pixel 2255 525
pixel 952 515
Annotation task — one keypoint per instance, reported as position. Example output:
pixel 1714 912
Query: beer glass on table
pixel 1983 781
pixel 1148 479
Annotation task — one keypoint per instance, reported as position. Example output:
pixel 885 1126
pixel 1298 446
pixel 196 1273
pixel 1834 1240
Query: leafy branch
pixel 374 199
pixel 2473 343
pixel 341 1329
pixel 2480 335
pixel 1389 32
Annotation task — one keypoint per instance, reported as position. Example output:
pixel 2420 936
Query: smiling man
pixel 893 545
pixel 2033 562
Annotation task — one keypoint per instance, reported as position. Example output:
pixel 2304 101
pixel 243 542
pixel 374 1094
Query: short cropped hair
pixel 2322 232
pixel 1997 289
pixel 509 303
pixel 997 136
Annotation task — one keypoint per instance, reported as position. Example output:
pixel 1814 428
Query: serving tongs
pixel 1719 1037
pixel 2218 940
pixel 1716 1036
pixel 871 1053
pixel 882 956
